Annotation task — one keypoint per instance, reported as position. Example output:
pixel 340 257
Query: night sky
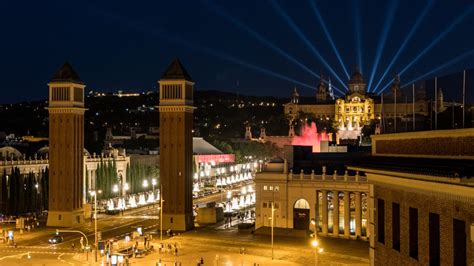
pixel 226 45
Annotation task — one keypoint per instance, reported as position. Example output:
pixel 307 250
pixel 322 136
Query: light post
pixel 115 188
pixel 273 214
pixel 272 218
pixel 126 187
pixel 161 213
pixel 315 244
pixel 94 193
pixel 228 207
pixel 145 184
pixel 153 183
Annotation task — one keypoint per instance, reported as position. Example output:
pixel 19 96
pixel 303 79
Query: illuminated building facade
pixel 357 108
pixel 301 188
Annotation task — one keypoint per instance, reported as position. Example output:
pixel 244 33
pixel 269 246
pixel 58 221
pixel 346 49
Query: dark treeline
pixel 24 193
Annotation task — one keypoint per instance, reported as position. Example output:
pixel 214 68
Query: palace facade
pixel 358 107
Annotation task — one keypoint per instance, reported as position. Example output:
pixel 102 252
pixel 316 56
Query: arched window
pixel 301 204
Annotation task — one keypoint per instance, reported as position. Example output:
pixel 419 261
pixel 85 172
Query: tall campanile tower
pixel 176 147
pixel 66 145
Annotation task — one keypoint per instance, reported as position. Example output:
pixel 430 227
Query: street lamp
pixel 228 207
pixel 145 183
pixel 126 187
pixel 115 188
pixel 94 194
pixel 153 183
pixel 273 213
pixel 161 213
pixel 315 244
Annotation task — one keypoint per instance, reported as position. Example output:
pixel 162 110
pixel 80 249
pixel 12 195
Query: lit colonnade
pixel 337 201
pixel 223 175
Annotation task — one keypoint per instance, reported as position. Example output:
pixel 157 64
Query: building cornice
pixel 435 186
pixel 176 108
pixel 66 110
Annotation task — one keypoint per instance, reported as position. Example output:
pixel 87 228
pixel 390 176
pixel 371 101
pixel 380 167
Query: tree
pixel 4 193
pixel 44 191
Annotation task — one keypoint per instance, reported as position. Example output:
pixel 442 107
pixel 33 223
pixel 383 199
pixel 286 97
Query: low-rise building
pixel 421 200
pixel 305 186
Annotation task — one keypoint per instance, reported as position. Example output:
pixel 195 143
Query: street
pixel 216 244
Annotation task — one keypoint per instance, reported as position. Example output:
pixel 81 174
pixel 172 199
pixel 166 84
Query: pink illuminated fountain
pixel 309 136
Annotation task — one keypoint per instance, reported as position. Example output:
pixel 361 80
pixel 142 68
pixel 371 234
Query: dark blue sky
pixel 127 45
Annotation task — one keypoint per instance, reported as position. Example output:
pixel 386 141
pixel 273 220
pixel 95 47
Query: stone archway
pixel 301 214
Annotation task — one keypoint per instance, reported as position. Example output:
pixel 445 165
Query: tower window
pixel 60 94
pixel 78 95
pixel 172 91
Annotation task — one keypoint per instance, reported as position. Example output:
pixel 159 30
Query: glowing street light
pixel 115 188
pixel 153 183
pixel 315 243
pixel 126 187
pixel 94 194
pixel 145 183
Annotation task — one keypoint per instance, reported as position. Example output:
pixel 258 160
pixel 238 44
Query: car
pixel 55 239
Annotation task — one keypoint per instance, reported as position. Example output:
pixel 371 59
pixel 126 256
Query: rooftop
pixel 200 146
pixel 176 71
pixel 66 74
pixel 451 168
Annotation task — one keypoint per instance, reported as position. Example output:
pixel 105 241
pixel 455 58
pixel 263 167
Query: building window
pixel 277 188
pixel 275 205
pixel 78 95
pixel 60 94
pixel 264 205
pixel 59 217
pixel 434 238
pixel 271 187
pixel 396 226
pixel 459 242
pixel 381 221
pixel 413 232
pixel 264 187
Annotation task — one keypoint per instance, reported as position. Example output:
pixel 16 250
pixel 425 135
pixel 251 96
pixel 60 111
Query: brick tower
pixel 176 147
pixel 66 145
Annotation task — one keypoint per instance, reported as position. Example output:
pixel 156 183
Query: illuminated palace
pixel 358 107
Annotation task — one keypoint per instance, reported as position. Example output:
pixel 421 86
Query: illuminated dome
pixel 356 77
pixel 9 152
pixel 45 151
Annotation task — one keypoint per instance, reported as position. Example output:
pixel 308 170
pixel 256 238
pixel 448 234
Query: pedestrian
pixel 201 260
pixel 73 246
pixel 176 251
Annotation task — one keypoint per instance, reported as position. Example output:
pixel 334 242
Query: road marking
pixel 17 256
pixel 59 258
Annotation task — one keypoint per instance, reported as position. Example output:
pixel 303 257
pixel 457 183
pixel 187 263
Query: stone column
pixel 335 212
pixel 347 212
pixel 324 206
pixel 358 214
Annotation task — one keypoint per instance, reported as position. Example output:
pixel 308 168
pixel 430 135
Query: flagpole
pixel 436 103
pixel 395 123
pixel 382 116
pixel 452 113
pixel 406 113
pixel 463 96
pixel 413 107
